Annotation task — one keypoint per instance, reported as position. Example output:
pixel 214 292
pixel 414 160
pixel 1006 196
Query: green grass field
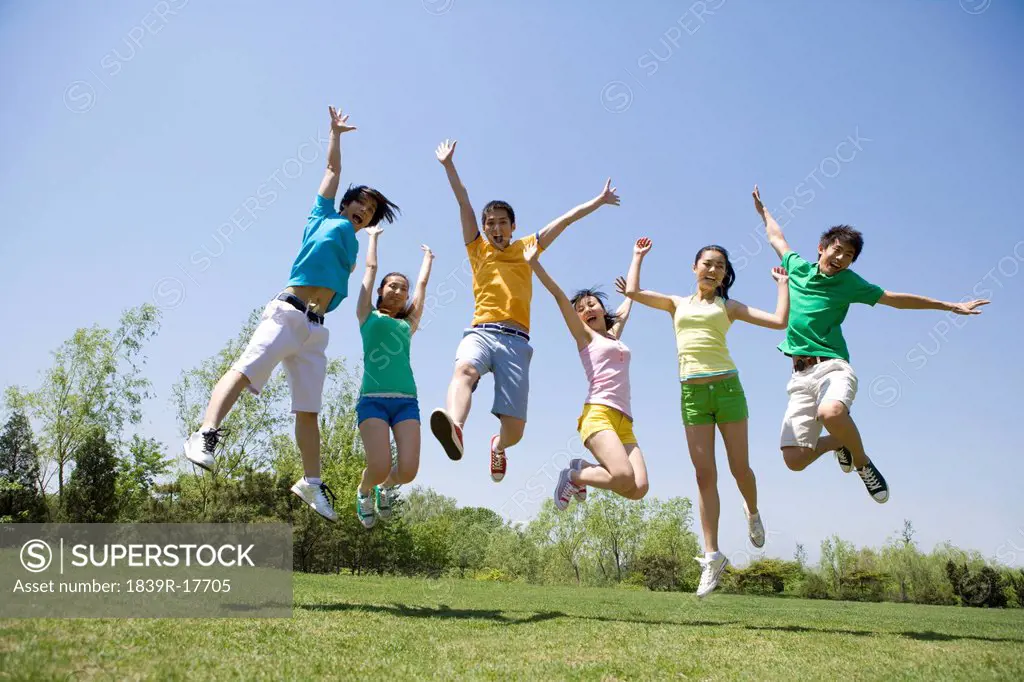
pixel 394 628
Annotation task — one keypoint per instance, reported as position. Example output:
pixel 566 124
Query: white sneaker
pixel 200 447
pixel 365 509
pixel 755 530
pixel 565 490
pixel 316 497
pixel 581 490
pixel 711 573
pixel 386 498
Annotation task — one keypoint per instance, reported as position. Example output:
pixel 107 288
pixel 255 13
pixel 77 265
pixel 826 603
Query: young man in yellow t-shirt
pixel 499 339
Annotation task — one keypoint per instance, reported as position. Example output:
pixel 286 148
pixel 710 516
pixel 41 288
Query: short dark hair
pixel 602 298
pixel 498 203
pixel 386 209
pixel 730 272
pixel 845 235
pixel 402 314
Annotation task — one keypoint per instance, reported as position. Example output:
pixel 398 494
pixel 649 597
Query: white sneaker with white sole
pixel 755 530
pixel 711 573
pixel 316 497
pixel 201 447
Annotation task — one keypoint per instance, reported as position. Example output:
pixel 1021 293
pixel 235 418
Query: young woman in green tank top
pixel 710 385
pixel 387 397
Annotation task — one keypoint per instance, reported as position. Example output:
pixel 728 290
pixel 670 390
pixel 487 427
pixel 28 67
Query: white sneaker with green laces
pixel 386 498
pixel 365 509
pixel 711 572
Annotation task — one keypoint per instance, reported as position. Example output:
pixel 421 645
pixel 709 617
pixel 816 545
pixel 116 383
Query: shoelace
pixel 497 459
pixel 211 438
pixel 707 572
pixel 568 491
pixel 868 475
pixel 325 491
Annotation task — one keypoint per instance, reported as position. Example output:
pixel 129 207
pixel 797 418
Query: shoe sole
pixel 201 465
pixel 311 506
pixel 718 576
pixel 444 432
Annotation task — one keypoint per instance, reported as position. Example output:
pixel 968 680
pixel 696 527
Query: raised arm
pixel 915 302
pixel 622 314
pixel 633 291
pixel 579 331
pixel 445 151
pixel 332 176
pixel 420 295
pixel 771 228
pixel 551 231
pixel 364 305
pixel 777 320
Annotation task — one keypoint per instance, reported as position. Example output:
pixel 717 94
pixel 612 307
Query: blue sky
pixel 170 151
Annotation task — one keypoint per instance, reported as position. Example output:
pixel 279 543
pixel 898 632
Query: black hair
pixel 386 209
pixel 602 298
pixel 730 272
pixel 845 235
pixel 491 205
pixel 401 314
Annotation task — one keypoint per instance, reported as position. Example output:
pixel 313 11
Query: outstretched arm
pixel 777 320
pixel 364 305
pixel 551 231
pixel 915 302
pixel 579 331
pixel 633 291
pixel 622 314
pixel 332 176
pixel 418 298
pixel 771 227
pixel 445 151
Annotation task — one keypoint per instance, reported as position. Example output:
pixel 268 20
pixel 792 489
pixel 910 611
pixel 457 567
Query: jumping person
pixel 291 329
pixel 387 397
pixel 710 385
pixel 499 339
pixel 606 424
pixel 823 384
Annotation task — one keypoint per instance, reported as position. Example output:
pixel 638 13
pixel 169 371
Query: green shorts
pixel 719 402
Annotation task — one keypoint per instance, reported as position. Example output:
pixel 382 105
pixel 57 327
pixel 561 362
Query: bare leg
pixel 839 423
pixel 407 440
pixel 511 432
pixel 225 395
pixel 701 441
pixel 737 450
pixel 615 472
pixel 376 435
pixel 460 392
pixel 307 437
pixel 640 482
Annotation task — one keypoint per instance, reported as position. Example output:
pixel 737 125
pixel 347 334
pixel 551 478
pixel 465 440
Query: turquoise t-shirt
pixel 818 305
pixel 386 365
pixel 329 249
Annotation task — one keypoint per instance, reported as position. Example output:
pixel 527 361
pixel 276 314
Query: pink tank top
pixel 606 362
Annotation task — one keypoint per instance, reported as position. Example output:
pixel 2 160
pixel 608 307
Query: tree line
pixel 70 451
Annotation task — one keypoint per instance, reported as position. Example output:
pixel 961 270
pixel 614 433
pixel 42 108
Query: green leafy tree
pixel 91 494
pixel 137 474
pixel 561 531
pixel 20 499
pixel 616 526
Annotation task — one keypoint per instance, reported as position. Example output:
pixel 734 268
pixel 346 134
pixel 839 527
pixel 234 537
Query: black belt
pixel 502 329
pixel 802 362
pixel 297 303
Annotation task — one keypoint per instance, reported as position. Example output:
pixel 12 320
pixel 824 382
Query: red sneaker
pixel 498 461
pixel 448 433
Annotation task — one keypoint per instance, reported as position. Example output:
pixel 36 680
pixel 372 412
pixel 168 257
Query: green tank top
pixel 386 366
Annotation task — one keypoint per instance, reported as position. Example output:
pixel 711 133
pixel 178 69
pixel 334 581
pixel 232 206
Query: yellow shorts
pixel 603 418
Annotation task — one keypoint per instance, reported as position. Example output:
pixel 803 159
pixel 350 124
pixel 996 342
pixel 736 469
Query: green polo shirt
pixel 817 307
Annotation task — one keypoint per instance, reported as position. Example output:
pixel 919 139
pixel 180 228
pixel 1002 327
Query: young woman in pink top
pixel 606 425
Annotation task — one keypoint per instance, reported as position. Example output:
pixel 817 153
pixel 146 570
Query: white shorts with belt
pixel 832 379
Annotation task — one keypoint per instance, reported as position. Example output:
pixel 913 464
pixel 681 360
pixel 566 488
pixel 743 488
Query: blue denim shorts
pixel 391 410
pixel 508 357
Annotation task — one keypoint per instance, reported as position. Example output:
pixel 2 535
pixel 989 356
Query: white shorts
pixel 829 380
pixel 285 335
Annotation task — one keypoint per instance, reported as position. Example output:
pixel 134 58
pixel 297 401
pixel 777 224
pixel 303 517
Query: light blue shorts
pixel 508 357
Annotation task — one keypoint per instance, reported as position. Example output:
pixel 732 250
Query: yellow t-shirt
pixel 502 281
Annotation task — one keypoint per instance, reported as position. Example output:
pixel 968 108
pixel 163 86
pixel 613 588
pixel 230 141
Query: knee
pixel 831 411
pixel 639 491
pixel 512 431
pixel 707 477
pixel 405 472
pixel 741 471
pixel 306 420
pixel 622 480
pixel 795 458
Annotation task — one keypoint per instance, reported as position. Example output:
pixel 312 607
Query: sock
pixel 712 555
pixel 312 481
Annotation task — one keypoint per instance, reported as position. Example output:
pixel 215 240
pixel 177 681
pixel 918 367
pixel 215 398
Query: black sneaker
pixel 845 459
pixel 874 482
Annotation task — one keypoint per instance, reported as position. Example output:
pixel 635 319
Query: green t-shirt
pixel 386 366
pixel 817 307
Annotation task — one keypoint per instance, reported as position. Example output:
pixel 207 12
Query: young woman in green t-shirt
pixel 387 397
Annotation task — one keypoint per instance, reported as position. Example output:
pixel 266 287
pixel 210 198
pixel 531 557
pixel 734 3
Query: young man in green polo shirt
pixel 823 385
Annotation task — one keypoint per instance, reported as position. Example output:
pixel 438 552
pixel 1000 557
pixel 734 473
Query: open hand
pixel 780 275
pixel 969 307
pixel 339 123
pixel 620 285
pixel 374 231
pixel 758 204
pixel 445 150
pixel 531 252
pixel 427 252
pixel 608 195
pixel 642 246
